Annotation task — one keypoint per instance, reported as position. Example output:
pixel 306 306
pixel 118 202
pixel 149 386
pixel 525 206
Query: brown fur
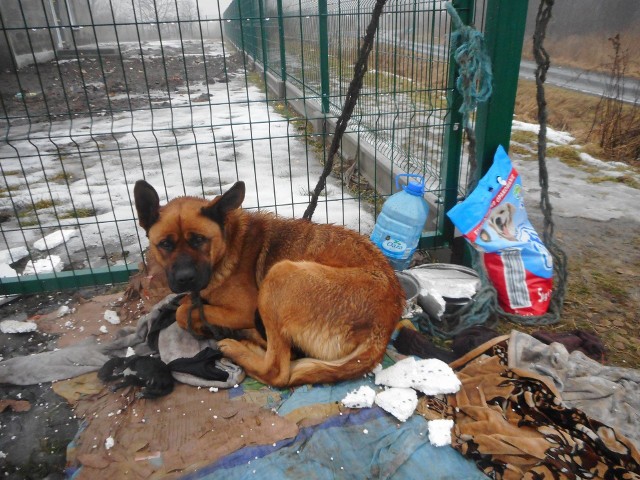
pixel 322 290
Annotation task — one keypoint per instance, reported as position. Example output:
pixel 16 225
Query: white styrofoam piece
pixel 400 374
pixel 440 432
pixel 399 402
pixel 429 376
pixel 363 397
pixel 434 377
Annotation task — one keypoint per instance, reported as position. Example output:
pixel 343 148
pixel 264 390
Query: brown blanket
pixel 511 422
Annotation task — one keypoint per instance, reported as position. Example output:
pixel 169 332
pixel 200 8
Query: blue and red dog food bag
pixel 494 220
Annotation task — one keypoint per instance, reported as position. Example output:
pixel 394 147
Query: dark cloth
pixel 470 338
pixel 166 316
pixel 586 342
pixel 412 342
pixel 203 365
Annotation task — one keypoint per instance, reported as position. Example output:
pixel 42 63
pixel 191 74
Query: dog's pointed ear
pixel 147 204
pixel 230 200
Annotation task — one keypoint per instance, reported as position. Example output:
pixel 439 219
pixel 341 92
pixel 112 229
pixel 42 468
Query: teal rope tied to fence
pixel 474 65
pixel 485 308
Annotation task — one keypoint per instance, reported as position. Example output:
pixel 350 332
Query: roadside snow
pixel 55 239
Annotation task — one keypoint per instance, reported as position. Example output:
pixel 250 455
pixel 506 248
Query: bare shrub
pixel 616 125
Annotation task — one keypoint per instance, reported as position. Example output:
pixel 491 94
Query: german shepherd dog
pixel 319 302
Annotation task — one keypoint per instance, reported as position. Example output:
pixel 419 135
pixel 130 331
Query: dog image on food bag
pixel 319 302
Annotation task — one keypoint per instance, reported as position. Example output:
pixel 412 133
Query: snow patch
pixel 53 263
pixel 55 239
pixel 553 136
pixel 6 271
pixel 13 255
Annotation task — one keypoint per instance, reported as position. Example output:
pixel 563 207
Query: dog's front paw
pixel 193 324
pixel 231 349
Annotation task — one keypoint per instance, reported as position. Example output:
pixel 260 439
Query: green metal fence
pixel 193 96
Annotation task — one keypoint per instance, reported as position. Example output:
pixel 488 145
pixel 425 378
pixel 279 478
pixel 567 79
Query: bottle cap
pixel 416 189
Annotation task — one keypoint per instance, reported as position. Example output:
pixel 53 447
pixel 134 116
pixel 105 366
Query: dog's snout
pixel 183 275
pixel 187 275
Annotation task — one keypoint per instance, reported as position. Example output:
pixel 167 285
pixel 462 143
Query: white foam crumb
pixel 377 368
pixel 2 454
pixel 53 263
pixel 14 326
pixel 109 443
pixel 363 397
pixel 103 329
pixel 130 352
pixel 399 402
pixel 435 377
pixel 111 317
pixel 54 239
pixel 213 389
pixel 62 311
pixel 440 432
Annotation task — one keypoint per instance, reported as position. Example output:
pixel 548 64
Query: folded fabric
pixel 470 338
pixel 515 423
pixel 176 344
pixel 609 394
pixel 588 343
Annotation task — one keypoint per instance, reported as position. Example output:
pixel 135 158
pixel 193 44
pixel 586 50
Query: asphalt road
pixel 583 81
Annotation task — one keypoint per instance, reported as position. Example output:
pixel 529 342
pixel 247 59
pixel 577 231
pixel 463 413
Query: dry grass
pixel 589 52
pixel 571 112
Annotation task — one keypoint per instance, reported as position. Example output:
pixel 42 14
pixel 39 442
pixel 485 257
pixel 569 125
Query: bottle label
pixel 393 245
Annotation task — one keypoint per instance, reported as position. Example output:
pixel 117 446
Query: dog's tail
pixel 359 362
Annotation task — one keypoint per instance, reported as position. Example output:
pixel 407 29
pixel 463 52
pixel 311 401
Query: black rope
pixel 218 333
pixel 559 256
pixel 350 102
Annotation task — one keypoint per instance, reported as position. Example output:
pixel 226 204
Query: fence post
pixel 450 170
pixel 504 36
pixel 263 38
pixel 324 54
pixel 283 56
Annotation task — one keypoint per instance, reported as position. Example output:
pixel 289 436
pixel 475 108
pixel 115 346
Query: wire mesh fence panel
pixel 96 95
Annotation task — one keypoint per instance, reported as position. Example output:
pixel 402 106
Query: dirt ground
pixel 140 78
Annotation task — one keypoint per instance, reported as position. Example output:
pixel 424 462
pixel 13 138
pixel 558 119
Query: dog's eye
pixel 166 244
pixel 196 241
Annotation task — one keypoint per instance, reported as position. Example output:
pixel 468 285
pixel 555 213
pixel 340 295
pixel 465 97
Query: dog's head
pixel 186 236
pixel 501 220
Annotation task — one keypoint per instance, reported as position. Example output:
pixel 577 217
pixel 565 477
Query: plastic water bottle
pixel 400 223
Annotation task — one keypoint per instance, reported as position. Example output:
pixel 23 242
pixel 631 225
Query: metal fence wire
pixel 193 96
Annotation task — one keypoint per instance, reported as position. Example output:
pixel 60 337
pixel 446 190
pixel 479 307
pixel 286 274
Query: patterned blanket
pixel 513 424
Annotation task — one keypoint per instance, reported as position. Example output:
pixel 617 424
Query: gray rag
pixel 90 356
pixel 610 395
